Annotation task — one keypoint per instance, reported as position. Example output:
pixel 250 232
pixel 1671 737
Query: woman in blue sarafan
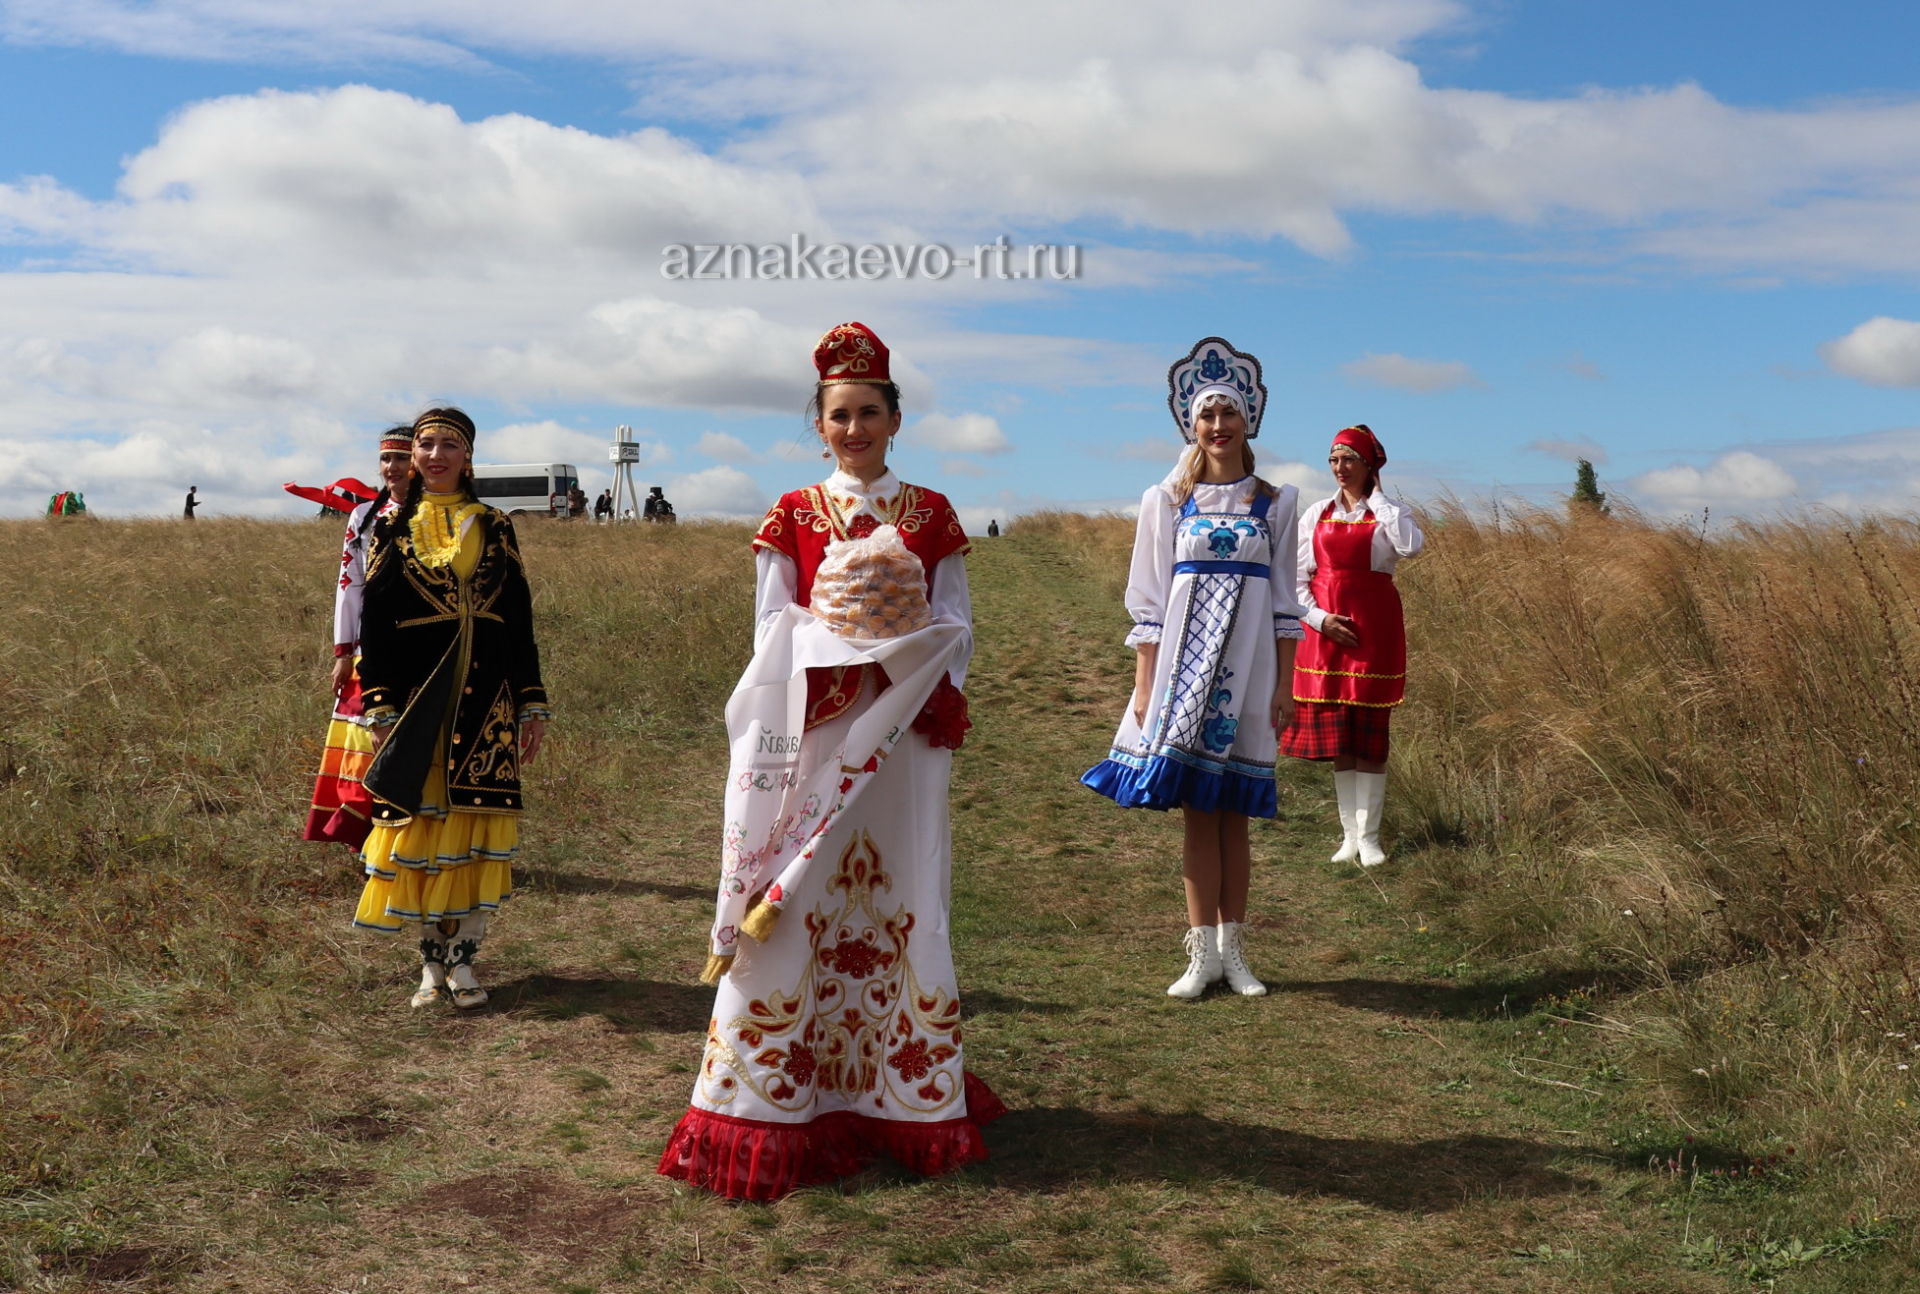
pixel 1216 620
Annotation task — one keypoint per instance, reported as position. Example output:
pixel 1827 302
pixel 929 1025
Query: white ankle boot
pixel 1233 961
pixel 1203 964
pixel 1345 789
pixel 1372 789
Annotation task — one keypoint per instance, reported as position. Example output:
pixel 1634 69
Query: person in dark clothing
pixel 993 529
pixel 192 502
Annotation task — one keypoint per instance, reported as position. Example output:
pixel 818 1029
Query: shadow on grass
pixel 983 1001
pixel 1050 1148
pixel 548 882
pixel 1486 1000
pixel 630 1005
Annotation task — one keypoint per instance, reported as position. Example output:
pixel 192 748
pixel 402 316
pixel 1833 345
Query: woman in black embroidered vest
pixel 451 680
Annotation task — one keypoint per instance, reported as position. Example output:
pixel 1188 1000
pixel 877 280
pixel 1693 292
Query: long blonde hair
pixel 1194 462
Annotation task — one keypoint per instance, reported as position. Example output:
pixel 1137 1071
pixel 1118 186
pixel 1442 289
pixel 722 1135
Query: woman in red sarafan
pixel 835 1035
pixel 1352 669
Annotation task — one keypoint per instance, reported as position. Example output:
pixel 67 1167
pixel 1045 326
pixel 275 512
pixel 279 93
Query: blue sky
pixel 239 236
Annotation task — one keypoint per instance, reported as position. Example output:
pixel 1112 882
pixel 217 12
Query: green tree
pixel 1587 494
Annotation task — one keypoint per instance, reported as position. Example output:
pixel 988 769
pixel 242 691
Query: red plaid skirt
pixel 1326 730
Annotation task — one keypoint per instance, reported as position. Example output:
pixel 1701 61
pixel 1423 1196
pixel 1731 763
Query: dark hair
pixel 417 483
pixel 889 391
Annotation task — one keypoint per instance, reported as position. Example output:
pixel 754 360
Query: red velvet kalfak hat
pixel 851 353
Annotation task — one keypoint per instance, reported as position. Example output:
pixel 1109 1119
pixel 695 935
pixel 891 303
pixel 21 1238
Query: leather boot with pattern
pixel 1203 964
pixel 1233 961
pixel 463 945
pixel 433 967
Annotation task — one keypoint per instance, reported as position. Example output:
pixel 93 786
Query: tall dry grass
pixel 1683 758
pixel 1715 732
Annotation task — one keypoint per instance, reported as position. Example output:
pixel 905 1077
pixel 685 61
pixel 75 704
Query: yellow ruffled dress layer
pixel 440 864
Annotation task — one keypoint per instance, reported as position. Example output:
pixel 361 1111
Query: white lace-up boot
pixel 1233 961
pixel 1348 793
pixel 1203 964
pixel 1373 799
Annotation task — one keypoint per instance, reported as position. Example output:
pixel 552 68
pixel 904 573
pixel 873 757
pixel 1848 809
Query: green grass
pixel 207 1082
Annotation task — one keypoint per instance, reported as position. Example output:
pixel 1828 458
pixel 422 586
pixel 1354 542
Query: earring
pixel 826 454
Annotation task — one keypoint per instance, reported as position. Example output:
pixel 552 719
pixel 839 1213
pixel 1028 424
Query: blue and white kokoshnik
pixel 1213 364
pixel 1208 741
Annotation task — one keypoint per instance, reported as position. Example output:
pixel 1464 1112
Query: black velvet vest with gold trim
pixel 455 657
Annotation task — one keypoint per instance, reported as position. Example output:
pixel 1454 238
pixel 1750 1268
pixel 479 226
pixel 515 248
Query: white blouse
pixel 776 578
pixel 348 597
pixel 1150 577
pixel 1396 535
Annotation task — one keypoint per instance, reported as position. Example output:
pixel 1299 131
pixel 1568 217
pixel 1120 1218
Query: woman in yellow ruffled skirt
pixel 451 677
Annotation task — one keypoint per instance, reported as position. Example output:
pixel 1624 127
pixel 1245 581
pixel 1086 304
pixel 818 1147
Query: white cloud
pixel 1582 367
pixel 1317 111
pixel 1882 351
pixel 1309 480
pixel 721 491
pixel 551 442
pixel 372 181
pixel 1420 375
pixel 1571 450
pixel 722 448
pixel 1736 478
pixel 966 433
pixel 962 467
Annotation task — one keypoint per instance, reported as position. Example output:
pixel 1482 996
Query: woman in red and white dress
pixel 342 809
pixel 1352 669
pixel 835 1033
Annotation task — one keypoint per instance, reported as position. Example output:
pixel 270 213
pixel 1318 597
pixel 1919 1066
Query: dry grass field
pixel 1631 1010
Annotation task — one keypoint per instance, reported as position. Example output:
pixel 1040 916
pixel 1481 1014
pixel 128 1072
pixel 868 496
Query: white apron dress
pixel 1212 582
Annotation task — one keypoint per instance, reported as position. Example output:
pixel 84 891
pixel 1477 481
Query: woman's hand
pixel 342 672
pixel 532 733
pixel 1340 629
pixel 1283 707
pixel 377 734
pixel 1145 656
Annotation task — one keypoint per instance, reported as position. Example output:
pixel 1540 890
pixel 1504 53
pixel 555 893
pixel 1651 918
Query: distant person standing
pixel 192 501
pixel 576 503
pixel 603 506
pixel 993 530
pixel 657 508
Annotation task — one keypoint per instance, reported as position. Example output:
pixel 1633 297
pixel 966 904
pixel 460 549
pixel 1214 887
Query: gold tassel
pixel 760 921
pixel 717 965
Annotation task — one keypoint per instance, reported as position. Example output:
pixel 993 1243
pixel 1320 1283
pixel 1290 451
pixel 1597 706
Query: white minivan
pixel 525 489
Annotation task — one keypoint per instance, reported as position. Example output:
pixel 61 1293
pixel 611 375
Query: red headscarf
pixel 1361 440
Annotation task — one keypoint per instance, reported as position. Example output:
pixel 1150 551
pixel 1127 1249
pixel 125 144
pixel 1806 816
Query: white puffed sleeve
pixel 1303 577
pixel 347 598
pixel 1150 576
pixel 1283 523
pixel 775 578
pixel 1396 535
pixel 952 604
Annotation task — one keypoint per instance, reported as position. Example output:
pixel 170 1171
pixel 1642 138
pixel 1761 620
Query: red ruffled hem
pixel 348 823
pixel 943 719
pixel 752 1159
